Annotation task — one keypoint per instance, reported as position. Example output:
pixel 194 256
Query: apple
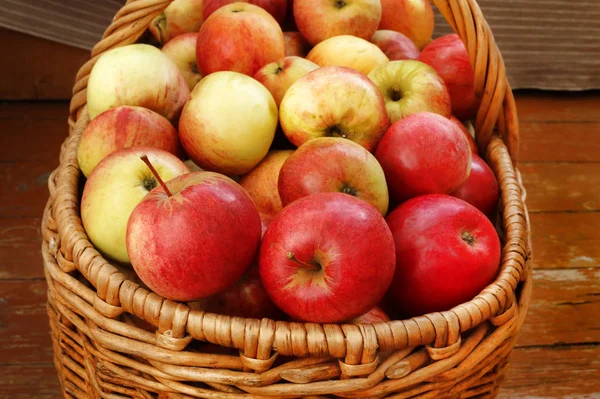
pixel 194 236
pixel 424 153
pixel 395 45
pixel 122 127
pixel 327 258
pixel 295 44
pixel 334 102
pixel 246 298
pixel 318 20
pixel 278 76
pixel 229 123
pixel 467 134
pixel 414 18
pixel 410 86
pixel 481 188
pixel 181 16
pixel 239 37
pixel 187 16
pixel 182 51
pixel 448 56
pixel 140 75
pixel 447 252
pixel 261 184
pixel 277 8
pixel 348 51
pixel 333 164
pixel 114 188
pixel 375 315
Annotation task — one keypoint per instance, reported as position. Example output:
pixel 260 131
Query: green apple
pixel 113 190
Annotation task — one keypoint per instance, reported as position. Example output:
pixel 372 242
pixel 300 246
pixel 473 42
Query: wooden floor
pixel 558 353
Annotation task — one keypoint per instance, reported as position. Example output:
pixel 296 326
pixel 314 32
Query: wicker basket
pixel 104 349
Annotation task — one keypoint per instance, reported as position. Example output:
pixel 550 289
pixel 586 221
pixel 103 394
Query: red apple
pixel 424 153
pixel 246 298
pixel 447 252
pixel 122 127
pixel 194 240
pixel 333 164
pixel 278 76
pixel 239 37
pixel 295 44
pixel 481 188
pixel 334 102
pixel 277 8
pixel 348 51
pixel 410 86
pixel 327 258
pixel 182 51
pixel 395 45
pixel 375 315
pixel 467 134
pixel 414 18
pixel 261 184
pixel 449 57
pixel 318 20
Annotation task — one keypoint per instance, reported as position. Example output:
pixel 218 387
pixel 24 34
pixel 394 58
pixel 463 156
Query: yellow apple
pixel 182 51
pixel 414 18
pixel 348 51
pixel 229 123
pixel 140 75
pixel 114 189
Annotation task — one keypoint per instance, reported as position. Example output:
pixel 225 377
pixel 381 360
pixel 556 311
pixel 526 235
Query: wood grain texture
pixel 562 187
pixel 30 381
pixel 560 142
pixel 25 188
pixel 38 69
pixel 555 107
pixel 20 250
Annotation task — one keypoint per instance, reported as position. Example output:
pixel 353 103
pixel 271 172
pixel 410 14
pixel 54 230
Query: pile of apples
pixel 306 160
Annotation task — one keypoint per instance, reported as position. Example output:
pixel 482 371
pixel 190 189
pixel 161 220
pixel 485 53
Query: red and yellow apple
pixel 113 190
pixel 318 20
pixel 333 164
pixel 409 87
pixel 181 16
pixel 424 153
pixel 395 45
pixel 334 102
pixel 194 237
pixel 348 51
pixel 327 258
pixel 295 44
pixel 414 18
pixel 278 76
pixel 122 127
pixel 229 123
pixel 239 37
pixel 261 184
pixel 140 75
pixel 182 51
pixel 467 134
pixel 447 252
pixel 277 8
pixel 449 57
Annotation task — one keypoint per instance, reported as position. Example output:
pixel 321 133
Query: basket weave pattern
pixel 115 339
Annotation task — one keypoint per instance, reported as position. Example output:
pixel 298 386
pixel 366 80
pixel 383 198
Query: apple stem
pixel 306 265
pixel 156 175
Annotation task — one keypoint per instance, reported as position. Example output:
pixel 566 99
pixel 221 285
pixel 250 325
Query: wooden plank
pixel 28 381
pixel 20 249
pixel 50 110
pixel 24 322
pixel 566 240
pixel 24 188
pixel 37 68
pixel 546 106
pixel 564 308
pixel 560 142
pixel 562 187
pixel 559 372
